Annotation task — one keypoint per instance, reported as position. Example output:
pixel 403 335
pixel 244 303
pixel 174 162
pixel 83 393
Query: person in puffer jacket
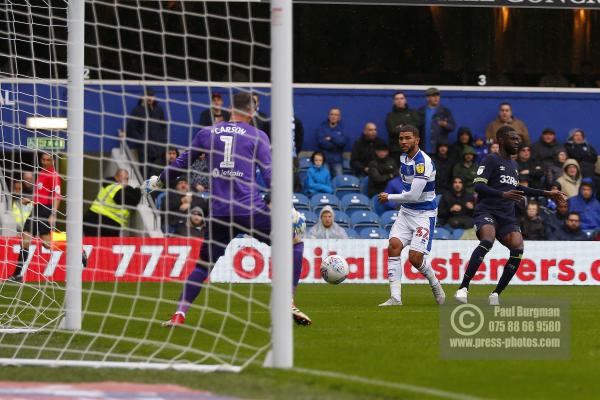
pixel 571 178
pixel 318 178
pixel 586 204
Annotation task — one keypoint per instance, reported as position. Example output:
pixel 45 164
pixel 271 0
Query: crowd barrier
pixel 247 261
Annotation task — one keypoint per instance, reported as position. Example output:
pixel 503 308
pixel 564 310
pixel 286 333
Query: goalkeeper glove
pixel 152 184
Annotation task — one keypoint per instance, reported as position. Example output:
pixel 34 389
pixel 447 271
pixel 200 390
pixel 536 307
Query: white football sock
pixel 427 271
pixel 395 277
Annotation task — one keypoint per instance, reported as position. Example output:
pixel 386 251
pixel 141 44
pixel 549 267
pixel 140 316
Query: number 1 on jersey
pixel 227 161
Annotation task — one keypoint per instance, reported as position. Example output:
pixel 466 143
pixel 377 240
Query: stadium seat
pixel 373 233
pixel 355 201
pixel 352 234
pixel 300 202
pixel 302 178
pixel 346 166
pixel 376 206
pixel 203 195
pixel 310 217
pixel 346 184
pixel 388 218
pixel 590 233
pixel 321 200
pixel 304 163
pixel 342 219
pixel 362 219
pixel 441 234
pixel 457 234
pixel 364 185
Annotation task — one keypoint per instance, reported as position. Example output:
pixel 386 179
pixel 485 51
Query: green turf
pixel 350 335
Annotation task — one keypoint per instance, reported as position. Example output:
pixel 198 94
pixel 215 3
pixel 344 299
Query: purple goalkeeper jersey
pixel 234 151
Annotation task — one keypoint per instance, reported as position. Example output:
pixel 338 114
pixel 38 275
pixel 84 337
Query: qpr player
pixel 416 219
pixel 498 189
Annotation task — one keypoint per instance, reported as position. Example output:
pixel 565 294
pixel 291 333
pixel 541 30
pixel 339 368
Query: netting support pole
pixel 74 217
pixel 281 249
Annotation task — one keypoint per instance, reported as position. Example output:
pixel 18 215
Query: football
pixel 334 269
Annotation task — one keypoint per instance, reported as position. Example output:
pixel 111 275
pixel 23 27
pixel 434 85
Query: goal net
pixel 154 74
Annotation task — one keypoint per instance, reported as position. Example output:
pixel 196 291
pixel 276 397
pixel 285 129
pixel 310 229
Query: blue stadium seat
pixel 364 185
pixel 388 218
pixel 362 219
pixel 373 233
pixel 304 163
pixel 346 184
pixel 590 233
pixel 442 234
pixel 376 206
pixel 346 166
pixel 457 234
pixel 355 201
pixel 342 219
pixel 351 233
pixel 302 177
pixel 310 217
pixel 300 202
pixel 203 195
pixel 321 200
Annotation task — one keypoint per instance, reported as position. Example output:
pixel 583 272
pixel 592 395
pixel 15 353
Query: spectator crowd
pixel 326 178
pixel 543 163
pixel 336 190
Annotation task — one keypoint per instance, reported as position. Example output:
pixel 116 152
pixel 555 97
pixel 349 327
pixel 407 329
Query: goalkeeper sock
pixel 510 269
pixel 427 271
pixel 475 261
pixel 191 288
pixel 395 277
pixel 298 251
pixel 23 255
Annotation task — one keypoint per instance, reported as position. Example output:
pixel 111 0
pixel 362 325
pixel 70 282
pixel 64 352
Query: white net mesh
pixel 156 73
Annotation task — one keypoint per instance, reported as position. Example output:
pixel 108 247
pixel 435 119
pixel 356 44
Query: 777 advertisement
pixel 248 261
pixel 124 259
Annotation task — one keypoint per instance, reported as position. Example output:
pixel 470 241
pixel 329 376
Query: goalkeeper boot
pixel 438 293
pixel 461 295
pixel 392 301
pixel 178 319
pixel 299 317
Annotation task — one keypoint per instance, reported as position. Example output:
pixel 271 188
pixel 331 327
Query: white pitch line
pixel 402 386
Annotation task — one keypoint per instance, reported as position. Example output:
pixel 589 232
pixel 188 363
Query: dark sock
pixel 23 254
pixel 510 269
pixel 298 250
pixel 192 287
pixel 475 261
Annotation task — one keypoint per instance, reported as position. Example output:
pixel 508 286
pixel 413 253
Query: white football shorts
pixel 415 229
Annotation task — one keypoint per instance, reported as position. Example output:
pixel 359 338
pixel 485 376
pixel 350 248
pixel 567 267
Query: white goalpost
pixel 76 60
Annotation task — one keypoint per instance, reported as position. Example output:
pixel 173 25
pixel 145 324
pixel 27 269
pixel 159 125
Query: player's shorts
pixel 503 223
pixel 416 230
pixel 37 224
pixel 222 230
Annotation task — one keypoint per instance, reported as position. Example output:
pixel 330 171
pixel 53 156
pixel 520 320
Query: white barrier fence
pixel 545 263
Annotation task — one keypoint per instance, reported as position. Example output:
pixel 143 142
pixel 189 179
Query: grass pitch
pixel 353 350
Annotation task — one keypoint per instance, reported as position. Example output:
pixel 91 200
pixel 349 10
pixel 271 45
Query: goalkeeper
pixel 235 150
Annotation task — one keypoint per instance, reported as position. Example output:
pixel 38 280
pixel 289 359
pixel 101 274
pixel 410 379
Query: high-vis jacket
pixel 105 204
